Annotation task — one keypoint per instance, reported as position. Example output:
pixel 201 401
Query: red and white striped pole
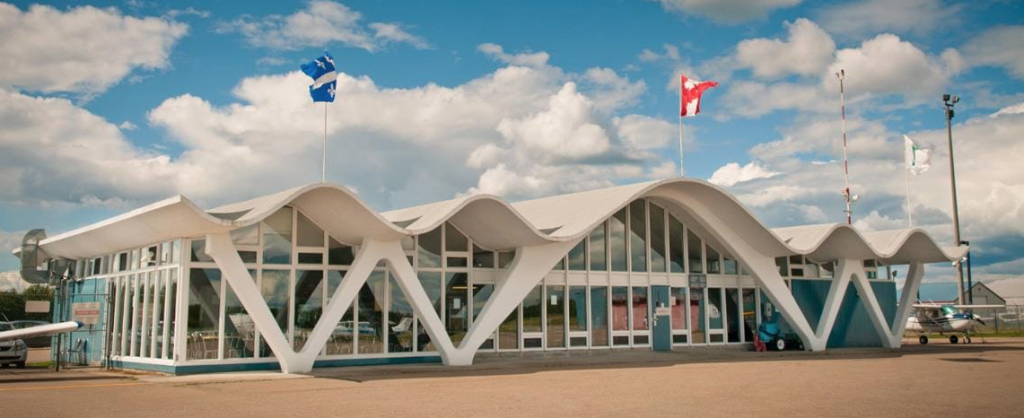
pixel 846 165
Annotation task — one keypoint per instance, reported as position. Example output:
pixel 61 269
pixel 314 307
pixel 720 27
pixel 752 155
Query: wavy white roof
pixel 492 222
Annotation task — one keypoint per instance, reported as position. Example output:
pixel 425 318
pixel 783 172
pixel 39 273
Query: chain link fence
pixel 1006 320
pixel 31 307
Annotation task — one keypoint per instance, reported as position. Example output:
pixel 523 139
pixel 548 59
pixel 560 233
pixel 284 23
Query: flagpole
pixel 323 164
pixel 846 165
pixel 680 114
pixel 910 209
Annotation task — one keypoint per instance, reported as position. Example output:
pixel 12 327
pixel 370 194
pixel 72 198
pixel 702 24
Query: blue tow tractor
pixel 770 336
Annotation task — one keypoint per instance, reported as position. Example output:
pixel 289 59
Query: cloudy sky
pixel 113 105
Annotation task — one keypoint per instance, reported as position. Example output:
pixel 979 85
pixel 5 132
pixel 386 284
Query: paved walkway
pixel 972 380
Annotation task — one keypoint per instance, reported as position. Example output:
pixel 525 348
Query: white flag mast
pixel 846 165
pixel 681 87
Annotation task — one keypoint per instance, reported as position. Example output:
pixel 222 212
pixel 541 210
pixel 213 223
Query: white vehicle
pixel 13 351
pixel 945 319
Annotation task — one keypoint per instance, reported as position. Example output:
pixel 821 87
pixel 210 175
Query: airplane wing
pixel 40 331
pixel 979 306
pixel 925 306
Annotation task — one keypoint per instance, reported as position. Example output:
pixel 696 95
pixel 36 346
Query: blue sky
pixel 114 105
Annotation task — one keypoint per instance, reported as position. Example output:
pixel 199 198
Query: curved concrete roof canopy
pixel 491 222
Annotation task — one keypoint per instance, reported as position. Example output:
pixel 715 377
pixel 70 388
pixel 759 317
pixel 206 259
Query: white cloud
pixel 393 32
pixel 807 51
pixel 866 17
pixel 991 190
pixel 127 126
pixel 565 130
pixel 321 23
pixel 610 91
pixel 1000 46
pixel 398 146
pixel 733 173
pixel 80 50
pixel 728 11
pixel 536 59
pixel 886 65
pixel 642 132
pixel 11 280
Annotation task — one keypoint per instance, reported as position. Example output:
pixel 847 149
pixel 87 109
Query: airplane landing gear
pixel 967 338
pixel 923 339
pixel 952 339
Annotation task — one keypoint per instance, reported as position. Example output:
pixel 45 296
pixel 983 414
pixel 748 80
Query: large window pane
pixel 675 245
pixel 679 304
pixel 556 316
pixel 693 248
pixel 339 254
pixel 599 316
pixel 482 258
pixel 309 304
pixel 309 235
pixel 577 308
pixel 620 308
pixel 431 282
pixel 508 332
pixel 657 239
pixel 729 266
pixel 172 288
pixel 239 328
pixel 715 311
pixel 598 249
pixel 430 249
pixel 578 256
pixel 400 320
pixel 341 338
pixel 617 239
pixel 481 294
pixel 371 314
pixel 454 240
pixel 203 314
pixel 249 235
pixel 532 310
pixel 714 263
pixel 749 314
pixel 274 288
pixel 638 236
pixel 732 310
pixel 641 311
pixel 277 237
pixel 456 314
pixel 697 312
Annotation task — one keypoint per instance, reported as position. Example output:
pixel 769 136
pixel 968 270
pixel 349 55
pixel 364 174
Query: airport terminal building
pixel 312 277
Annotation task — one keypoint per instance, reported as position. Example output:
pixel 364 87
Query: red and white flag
pixel 689 96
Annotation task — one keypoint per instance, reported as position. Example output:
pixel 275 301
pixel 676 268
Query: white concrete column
pixel 529 268
pixel 836 293
pixel 417 296
pixel 907 300
pixel 223 252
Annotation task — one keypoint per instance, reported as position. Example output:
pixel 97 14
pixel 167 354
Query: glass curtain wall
pixel 599 316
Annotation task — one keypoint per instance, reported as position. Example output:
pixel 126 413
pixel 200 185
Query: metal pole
pixel 910 209
pixel 846 166
pixel 952 182
pixel 323 173
pixel 970 281
pixel 680 114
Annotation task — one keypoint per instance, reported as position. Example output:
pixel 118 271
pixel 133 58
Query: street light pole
pixel 949 101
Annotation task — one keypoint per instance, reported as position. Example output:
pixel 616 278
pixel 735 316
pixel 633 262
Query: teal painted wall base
pixel 269 365
pixel 853 327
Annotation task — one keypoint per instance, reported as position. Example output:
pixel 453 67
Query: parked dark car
pixel 33 342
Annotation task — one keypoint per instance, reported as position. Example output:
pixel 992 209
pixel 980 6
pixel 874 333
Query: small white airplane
pixel 945 319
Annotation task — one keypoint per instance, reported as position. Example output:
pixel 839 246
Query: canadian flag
pixel 689 96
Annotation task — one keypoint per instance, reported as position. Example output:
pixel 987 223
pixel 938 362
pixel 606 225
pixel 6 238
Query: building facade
pixel 311 277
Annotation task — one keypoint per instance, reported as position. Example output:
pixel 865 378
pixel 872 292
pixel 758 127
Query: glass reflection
pixel 657 239
pixel 309 304
pixel 431 282
pixel 638 236
pixel 371 314
pixel 239 328
pixel 641 311
pixel 693 246
pixel 456 296
pixel 274 288
pixel 341 340
pixel 599 316
pixel 598 249
pixel 617 239
pixel 400 320
pixel 430 248
pixel 277 237
pixel 697 312
pixel 203 314
pixel 578 256
pixel 556 317
pixel 732 310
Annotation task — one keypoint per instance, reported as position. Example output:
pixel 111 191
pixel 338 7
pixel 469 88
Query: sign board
pixel 87 313
pixel 663 311
pixel 698 280
pixel 37 306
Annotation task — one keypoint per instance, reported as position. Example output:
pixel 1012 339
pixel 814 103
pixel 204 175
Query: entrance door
pixel 662 330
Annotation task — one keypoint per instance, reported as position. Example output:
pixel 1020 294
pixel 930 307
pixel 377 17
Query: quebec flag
pixel 325 79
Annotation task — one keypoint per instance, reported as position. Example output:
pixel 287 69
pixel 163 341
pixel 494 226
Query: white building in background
pixel 312 277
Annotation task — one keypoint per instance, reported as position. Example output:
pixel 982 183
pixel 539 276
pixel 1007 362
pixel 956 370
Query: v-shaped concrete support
pixel 834 300
pixel 891 333
pixel 224 254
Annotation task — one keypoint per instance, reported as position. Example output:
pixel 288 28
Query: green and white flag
pixel 918 159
